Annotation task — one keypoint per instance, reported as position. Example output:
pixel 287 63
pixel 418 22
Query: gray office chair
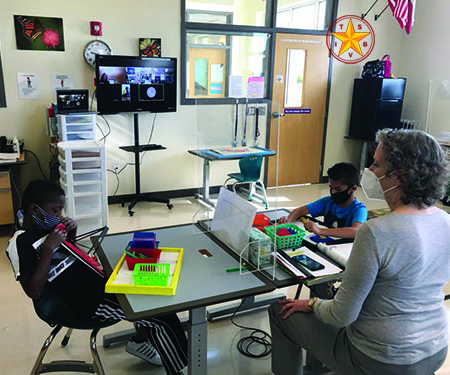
pixel 250 171
pixel 52 310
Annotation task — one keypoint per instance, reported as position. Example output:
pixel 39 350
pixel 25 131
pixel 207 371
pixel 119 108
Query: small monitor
pixel 70 101
pixel 135 84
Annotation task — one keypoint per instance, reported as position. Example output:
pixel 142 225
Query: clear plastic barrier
pixel 226 135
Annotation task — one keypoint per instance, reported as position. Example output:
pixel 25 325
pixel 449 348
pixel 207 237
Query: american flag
pixel 403 11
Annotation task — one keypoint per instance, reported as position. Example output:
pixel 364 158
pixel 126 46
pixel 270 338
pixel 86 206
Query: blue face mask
pixel 49 222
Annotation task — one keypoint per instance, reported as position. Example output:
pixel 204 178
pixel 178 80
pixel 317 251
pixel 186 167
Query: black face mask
pixel 341 197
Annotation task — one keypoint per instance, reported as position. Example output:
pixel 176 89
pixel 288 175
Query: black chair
pixel 52 310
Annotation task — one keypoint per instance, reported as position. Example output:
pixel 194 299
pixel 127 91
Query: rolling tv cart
pixel 137 149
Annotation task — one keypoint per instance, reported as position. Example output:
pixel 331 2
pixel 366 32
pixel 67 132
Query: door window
pixel 295 70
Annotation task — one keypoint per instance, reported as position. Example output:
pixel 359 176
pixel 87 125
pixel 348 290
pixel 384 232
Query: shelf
pixel 84 158
pixel 142 148
pixel 87 194
pixel 75 132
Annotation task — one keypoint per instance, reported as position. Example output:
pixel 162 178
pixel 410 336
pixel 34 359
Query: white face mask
pixel 372 187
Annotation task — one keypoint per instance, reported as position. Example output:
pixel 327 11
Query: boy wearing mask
pixel 341 211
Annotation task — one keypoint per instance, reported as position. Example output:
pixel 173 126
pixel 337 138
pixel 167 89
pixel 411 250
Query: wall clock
pixel 93 48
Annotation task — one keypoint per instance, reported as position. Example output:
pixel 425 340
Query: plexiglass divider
pixel 219 128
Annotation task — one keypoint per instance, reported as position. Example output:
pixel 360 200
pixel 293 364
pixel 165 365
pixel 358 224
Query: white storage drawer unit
pixel 83 179
pixel 77 127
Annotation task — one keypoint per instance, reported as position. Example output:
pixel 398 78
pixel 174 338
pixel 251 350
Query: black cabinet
pixel 376 104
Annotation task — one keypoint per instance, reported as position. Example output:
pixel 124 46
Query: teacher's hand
pixel 293 305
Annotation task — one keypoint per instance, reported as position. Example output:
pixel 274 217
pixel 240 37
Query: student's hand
pixel 293 305
pixel 71 226
pixel 282 220
pixel 54 239
pixel 69 223
pixel 311 227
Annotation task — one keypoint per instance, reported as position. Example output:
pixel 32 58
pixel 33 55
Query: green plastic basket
pixel 293 241
pixel 152 274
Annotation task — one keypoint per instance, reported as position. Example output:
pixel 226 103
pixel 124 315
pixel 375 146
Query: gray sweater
pixel 391 296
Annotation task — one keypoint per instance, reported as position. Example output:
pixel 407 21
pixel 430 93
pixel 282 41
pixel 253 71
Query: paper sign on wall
pixel 297 111
pixel 216 88
pixel 61 81
pixel 236 88
pixel 255 87
pixel 28 85
pixel 216 73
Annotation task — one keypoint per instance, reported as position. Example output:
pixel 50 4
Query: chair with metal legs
pixel 51 309
pixel 250 171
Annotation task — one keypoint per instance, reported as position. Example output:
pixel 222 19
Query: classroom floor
pixel 22 333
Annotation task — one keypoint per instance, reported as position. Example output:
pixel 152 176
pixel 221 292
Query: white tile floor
pixel 22 333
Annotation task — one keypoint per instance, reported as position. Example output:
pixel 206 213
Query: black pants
pixel 165 333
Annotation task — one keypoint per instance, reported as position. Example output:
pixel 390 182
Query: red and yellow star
pixel 350 39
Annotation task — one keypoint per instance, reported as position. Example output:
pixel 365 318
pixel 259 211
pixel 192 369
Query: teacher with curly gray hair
pixel 388 316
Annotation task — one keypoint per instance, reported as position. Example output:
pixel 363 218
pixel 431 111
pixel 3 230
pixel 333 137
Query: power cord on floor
pixel 117 179
pixel 258 336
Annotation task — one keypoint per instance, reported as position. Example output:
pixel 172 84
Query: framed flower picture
pixel 150 47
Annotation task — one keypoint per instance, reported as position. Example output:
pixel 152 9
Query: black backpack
pixel 373 69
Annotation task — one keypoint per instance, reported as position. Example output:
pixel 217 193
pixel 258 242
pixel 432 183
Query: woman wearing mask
pixel 388 316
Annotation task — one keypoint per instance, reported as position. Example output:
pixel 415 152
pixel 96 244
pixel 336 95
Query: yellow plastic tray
pixel 130 288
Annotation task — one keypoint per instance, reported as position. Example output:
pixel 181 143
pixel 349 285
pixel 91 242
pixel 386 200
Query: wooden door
pixel 207 68
pixel 299 91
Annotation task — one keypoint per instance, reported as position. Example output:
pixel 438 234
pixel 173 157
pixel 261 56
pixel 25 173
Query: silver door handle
pixel 276 115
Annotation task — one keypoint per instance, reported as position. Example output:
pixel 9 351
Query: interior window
pixel 227 46
pixel 226 65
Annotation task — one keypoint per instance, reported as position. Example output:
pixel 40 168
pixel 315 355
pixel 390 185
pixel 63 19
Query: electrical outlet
pixel 261 111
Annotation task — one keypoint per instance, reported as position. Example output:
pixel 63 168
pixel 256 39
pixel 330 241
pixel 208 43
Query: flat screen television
pixel 136 84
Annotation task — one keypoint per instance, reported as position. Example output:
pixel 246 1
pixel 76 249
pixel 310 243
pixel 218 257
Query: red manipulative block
pixel 284 232
pixel 261 221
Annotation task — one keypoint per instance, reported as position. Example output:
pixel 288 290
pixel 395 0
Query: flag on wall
pixel 403 11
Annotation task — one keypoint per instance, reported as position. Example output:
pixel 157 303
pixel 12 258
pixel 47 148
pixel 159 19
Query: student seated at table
pixel 40 262
pixel 342 212
pixel 388 317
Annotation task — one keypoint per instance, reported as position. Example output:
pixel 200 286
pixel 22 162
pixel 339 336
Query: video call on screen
pixel 136 83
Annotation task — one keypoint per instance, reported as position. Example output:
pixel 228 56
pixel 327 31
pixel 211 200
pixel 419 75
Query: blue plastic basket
pixel 144 240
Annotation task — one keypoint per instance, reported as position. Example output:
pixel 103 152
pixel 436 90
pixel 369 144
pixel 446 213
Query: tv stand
pixel 137 149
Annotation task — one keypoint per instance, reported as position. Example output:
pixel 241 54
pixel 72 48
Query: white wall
pixel 174 168
pixel 388 40
pixel 123 24
pixel 426 57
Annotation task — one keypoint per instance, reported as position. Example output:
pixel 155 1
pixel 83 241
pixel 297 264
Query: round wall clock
pixel 95 47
